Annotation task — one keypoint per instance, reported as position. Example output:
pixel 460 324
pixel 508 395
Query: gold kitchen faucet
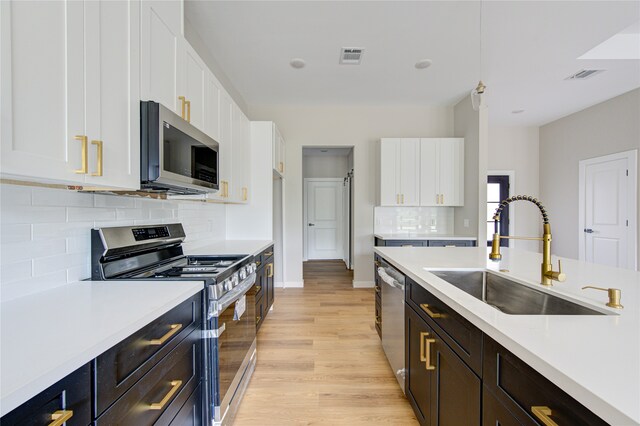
pixel 547 274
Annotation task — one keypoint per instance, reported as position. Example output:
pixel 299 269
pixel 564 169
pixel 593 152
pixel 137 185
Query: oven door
pixel 231 350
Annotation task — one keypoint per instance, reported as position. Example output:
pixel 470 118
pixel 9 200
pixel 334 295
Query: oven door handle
pixel 217 307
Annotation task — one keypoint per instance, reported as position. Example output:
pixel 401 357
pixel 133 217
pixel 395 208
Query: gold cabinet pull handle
pixel 281 167
pixel 244 193
pixel 183 100
pixel 175 385
pixel 173 330
pixel 85 160
pixel 270 273
pixel 258 319
pixel 543 414
pixel 423 357
pixel 60 416
pixel 377 289
pixel 258 288
pixel 98 145
pixel 188 111
pixel 427 361
pixel 268 253
pixel 376 262
pixel 425 307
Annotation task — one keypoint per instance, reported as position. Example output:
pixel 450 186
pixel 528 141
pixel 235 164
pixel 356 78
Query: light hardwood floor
pixel 320 360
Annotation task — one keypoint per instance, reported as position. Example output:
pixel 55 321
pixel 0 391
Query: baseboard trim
pixel 363 284
pixel 290 284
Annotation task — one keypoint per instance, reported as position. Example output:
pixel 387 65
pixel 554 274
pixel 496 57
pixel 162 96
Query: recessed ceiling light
pixel 297 63
pixel 517 111
pixel 423 63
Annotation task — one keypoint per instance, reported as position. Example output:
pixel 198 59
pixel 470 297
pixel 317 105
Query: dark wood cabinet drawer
pixel 191 413
pixel 124 364
pixel 378 318
pixel 463 337
pixel 494 413
pixel 260 283
pixel 520 388
pixel 159 395
pixel 451 243
pixel 70 397
pixel 265 257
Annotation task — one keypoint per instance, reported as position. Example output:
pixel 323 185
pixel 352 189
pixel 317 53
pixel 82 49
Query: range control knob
pixel 243 273
pixel 234 280
pixel 227 284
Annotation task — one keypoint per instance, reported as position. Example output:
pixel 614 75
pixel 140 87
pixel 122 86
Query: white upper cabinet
pixel 192 88
pixel 113 93
pixel 160 53
pixel 399 172
pixel 77 77
pixel 239 185
pixel 278 152
pixel 212 92
pixel 442 172
pixel 42 90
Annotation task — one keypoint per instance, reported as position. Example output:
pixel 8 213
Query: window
pixel 497 190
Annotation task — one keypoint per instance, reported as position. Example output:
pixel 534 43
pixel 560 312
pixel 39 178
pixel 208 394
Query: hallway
pixel 320 360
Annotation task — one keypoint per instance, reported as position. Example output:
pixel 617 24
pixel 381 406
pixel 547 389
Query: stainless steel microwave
pixel 175 157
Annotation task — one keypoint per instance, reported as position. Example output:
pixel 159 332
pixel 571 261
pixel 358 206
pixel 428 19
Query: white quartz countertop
pixel 595 359
pixel 48 335
pixel 416 236
pixel 249 247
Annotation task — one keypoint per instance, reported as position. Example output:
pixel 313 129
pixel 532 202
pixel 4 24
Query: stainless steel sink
pixel 510 296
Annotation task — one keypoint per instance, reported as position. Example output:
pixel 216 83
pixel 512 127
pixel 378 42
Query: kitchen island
pixel 593 358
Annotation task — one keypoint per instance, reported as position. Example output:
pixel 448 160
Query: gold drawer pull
pixel 543 414
pixel 269 254
pixel 281 167
pixel 60 416
pixel 377 289
pixel 427 361
pixel 188 111
pixel 245 197
pixel 270 272
pixel 423 357
pixel 184 101
pixel 85 160
pixel 175 385
pixel 258 288
pixel 258 319
pixel 174 329
pixel 376 262
pixel 425 307
pixel 98 145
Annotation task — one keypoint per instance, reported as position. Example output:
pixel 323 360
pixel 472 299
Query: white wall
pixel 609 127
pixel 45 233
pixel 315 166
pixel 516 149
pixel 473 127
pixel 357 126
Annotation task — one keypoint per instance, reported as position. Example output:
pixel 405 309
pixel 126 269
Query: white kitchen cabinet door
pixel 409 172
pixel 192 86
pixel 429 172
pixel 390 172
pixel 225 150
pixel 212 107
pixel 278 154
pixel 42 89
pixel 451 172
pixel 282 152
pixel 237 154
pixel 441 172
pixel 112 93
pixel 246 158
pixel 160 53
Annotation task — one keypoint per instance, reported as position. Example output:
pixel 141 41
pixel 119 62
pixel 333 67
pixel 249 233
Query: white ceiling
pixel 528 49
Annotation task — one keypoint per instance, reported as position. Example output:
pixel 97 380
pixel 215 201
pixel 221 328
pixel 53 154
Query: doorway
pixel 498 189
pixel 328 203
pixel 608 210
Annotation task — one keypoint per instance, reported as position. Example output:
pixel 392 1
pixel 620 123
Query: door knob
pixel 312 224
pixel 588 230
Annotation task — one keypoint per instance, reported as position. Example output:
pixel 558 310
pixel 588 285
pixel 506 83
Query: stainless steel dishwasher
pixel 393 318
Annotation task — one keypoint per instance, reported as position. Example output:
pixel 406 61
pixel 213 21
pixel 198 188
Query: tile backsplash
pixel 413 220
pixel 45 233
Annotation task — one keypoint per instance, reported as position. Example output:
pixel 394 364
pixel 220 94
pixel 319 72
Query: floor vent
pixel 351 55
pixel 582 74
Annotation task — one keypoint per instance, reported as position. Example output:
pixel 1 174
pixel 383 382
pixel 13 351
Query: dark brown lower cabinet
pixel 494 413
pixel 70 399
pixel 442 389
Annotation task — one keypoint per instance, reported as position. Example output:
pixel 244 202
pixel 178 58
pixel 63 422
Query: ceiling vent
pixel 351 55
pixel 581 75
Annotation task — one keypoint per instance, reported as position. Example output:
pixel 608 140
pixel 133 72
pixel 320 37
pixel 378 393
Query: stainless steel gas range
pixel 229 331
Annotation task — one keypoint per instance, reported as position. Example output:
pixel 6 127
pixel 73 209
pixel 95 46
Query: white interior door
pixel 324 219
pixel 606 233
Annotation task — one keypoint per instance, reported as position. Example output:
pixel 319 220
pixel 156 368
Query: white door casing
pixel 607 223
pixel 323 212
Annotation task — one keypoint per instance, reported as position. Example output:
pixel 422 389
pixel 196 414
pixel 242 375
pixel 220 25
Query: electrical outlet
pixel 466 223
